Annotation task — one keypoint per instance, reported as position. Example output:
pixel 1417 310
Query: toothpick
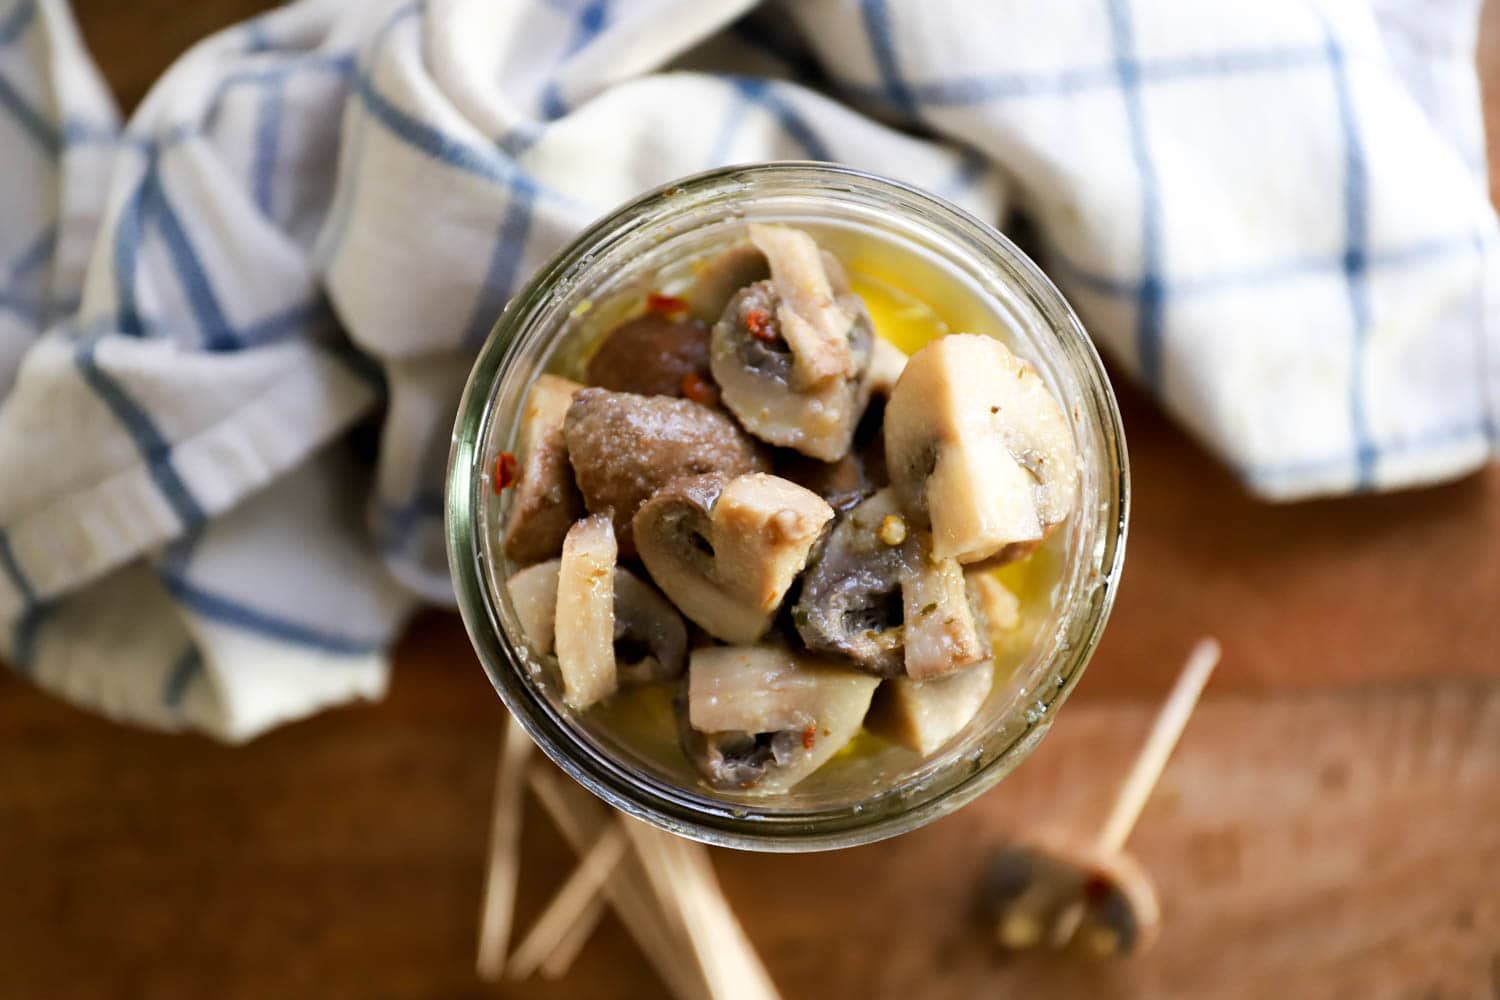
pixel 557 964
pixel 1147 769
pixel 503 865
pixel 579 818
pixel 575 895
pixel 1152 759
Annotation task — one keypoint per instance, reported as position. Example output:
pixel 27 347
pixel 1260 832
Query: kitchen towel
pixel 233 330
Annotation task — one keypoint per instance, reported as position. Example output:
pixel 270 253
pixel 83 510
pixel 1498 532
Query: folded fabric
pixel 233 332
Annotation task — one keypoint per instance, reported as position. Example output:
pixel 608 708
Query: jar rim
pixel 657 801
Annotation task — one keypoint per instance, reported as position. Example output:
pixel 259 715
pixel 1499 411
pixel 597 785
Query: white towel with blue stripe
pixel 233 331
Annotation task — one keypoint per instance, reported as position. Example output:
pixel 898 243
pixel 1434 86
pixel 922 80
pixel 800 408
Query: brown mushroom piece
pixel 924 715
pixel 650 639
pixel 978 448
pixel 624 447
pixel 790 353
pixel 653 355
pixel 940 629
pixel 1056 894
pixel 850 604
pixel 544 502
pixel 726 550
pixel 759 719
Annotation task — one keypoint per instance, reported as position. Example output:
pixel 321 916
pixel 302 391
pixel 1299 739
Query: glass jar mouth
pixel 506 361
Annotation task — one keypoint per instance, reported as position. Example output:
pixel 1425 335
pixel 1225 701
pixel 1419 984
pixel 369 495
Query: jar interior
pixel 903 264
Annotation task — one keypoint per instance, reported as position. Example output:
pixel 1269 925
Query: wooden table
pixel 1329 827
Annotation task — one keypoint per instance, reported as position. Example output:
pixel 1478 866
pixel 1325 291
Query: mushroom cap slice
pixel 940 629
pixel 977 446
pixel 533 591
pixel 850 604
pixel 585 621
pixel 923 715
pixel 624 447
pixel 725 551
pixel 790 353
pixel 545 501
pixel 650 639
pixel 1056 892
pixel 760 718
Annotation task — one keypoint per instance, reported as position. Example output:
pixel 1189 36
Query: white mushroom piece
pixel 790 353
pixel 977 447
pixel 759 719
pixel 1054 892
pixel 876 594
pixel 544 500
pixel 726 550
pixel 924 715
pixel 606 626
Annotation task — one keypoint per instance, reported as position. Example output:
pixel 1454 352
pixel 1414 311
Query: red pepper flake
pixel 669 306
pixel 699 389
pixel 809 737
pixel 505 472
pixel 758 322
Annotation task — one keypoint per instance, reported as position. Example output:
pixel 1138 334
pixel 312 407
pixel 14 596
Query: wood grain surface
pixel 1330 826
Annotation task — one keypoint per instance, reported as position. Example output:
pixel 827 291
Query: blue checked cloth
pixel 233 331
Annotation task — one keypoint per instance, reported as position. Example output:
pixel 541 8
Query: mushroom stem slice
pixel 762 718
pixel 726 552
pixel 545 501
pixel 977 446
pixel 942 632
pixel 813 321
pixel 585 636
pixel 999 608
pixel 923 715
pixel 533 591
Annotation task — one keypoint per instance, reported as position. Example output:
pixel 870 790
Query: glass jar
pixel 892 236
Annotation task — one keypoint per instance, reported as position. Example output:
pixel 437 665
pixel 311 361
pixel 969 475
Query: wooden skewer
pixel 581 889
pixel 580 818
pixel 503 865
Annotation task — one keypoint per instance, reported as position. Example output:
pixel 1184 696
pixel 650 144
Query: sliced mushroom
pixel 726 550
pixel 760 718
pixel 998 607
pixel 650 639
pixel 545 501
pixel 940 629
pixel 978 447
pixel 887 362
pixel 586 612
pixel 533 591
pixel 720 276
pixel 923 715
pixel 790 354
pixel 1055 893
pixel 624 447
pixel 653 355
pixel 851 593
